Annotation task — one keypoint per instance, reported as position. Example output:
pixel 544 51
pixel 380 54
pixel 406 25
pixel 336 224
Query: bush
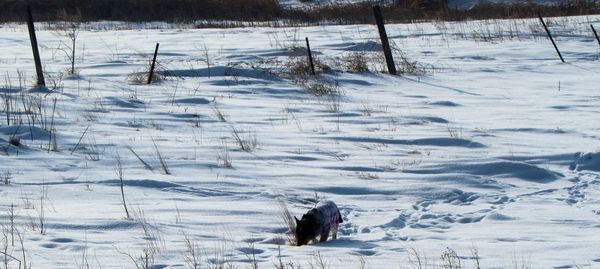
pixel 146 10
pixel 271 10
pixel 356 62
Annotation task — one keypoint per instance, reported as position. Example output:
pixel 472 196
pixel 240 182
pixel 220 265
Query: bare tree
pixel 69 26
pixel 119 172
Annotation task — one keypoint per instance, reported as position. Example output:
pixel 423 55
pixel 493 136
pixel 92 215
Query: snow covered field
pixel 494 148
pixel 451 3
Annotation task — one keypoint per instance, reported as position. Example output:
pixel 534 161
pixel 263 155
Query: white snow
pixel 494 148
pixel 451 3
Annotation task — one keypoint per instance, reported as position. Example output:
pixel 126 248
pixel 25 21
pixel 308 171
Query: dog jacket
pixel 327 215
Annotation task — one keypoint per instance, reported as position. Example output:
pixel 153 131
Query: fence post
pixel 310 58
pixel 153 64
pixel 384 41
pixel 550 36
pixel 34 47
pixel 595 34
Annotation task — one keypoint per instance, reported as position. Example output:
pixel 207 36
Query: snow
pixel 494 148
pixel 451 3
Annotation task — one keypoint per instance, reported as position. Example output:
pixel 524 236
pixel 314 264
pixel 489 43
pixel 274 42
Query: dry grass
pixel 224 159
pixel 356 62
pixel 300 66
pixel 289 221
pixel 219 114
pixel 161 160
pixel 320 86
pixel 246 140
pixel 140 77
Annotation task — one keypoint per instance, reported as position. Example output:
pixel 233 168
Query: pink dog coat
pixel 328 216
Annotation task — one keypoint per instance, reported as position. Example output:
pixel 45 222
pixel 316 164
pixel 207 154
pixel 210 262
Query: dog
pixel 318 221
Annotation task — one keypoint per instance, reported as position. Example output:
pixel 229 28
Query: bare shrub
pixel 246 140
pixel 152 234
pixel 24 257
pixel 15 141
pixel 408 66
pixel 41 210
pixel 454 132
pixel 140 217
pixel 417 259
pixel 93 152
pixel 356 62
pixel 4 251
pixel 412 67
pixel 119 171
pixel 140 77
pixel 224 159
pixel 300 66
pixel 192 253
pixel 320 87
pixel 84 260
pixel 68 26
pixel 251 257
pixel 366 109
pixel 450 259
pixel 145 260
pixel 476 258
pixel 6 177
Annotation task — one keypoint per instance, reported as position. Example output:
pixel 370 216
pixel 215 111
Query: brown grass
pixel 289 221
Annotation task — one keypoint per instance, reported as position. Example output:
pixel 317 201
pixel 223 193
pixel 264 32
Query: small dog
pixel 318 221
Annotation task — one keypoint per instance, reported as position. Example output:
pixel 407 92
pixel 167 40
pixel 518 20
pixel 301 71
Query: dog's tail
pixel 289 221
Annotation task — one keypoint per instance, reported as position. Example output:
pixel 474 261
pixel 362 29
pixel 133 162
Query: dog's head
pixel 305 229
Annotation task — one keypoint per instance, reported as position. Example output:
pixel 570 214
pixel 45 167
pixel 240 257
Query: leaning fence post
pixel 550 36
pixel 310 58
pixel 153 64
pixel 595 34
pixel 34 47
pixel 384 41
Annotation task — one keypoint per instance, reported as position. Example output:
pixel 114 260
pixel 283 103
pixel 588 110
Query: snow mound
pixel 25 132
pixel 434 141
pixel 504 169
pixel 219 71
pixel 586 161
pixel 444 103
pixel 498 217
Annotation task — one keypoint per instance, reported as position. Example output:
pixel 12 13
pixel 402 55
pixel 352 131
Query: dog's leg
pixel 334 232
pixel 324 236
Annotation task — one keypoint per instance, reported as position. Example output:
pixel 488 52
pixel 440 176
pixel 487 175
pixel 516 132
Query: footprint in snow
pixel 250 250
pixel 58 242
pixel 62 240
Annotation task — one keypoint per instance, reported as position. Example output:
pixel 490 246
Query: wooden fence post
pixel 550 36
pixel 34 47
pixel 595 34
pixel 310 58
pixel 153 64
pixel 384 41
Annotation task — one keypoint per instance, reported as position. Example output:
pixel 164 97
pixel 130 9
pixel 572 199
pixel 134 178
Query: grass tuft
pixel 289 221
